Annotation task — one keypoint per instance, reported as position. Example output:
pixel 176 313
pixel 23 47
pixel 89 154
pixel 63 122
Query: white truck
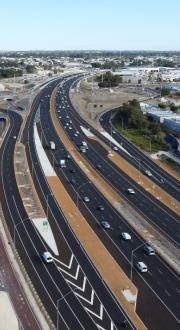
pixel 83 149
pixel 62 163
pixel 52 145
pixel 84 144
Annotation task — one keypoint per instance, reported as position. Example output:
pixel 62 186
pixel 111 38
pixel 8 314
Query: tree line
pixel 108 80
pixel 131 117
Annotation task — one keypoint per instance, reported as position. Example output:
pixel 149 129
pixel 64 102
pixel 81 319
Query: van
pixel 83 149
pixel 62 163
pixel 141 267
pixel 52 145
pixel 84 144
pixel 148 249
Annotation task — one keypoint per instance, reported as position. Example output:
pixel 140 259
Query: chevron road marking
pixel 62 263
pixel 78 287
pixel 91 301
pixel 101 328
pixel 100 316
pixel 88 301
pixel 76 275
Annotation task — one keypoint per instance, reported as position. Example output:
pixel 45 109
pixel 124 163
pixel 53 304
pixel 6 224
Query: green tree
pixel 162 105
pixel 30 68
pixel 165 91
pixel 174 108
pixel 108 80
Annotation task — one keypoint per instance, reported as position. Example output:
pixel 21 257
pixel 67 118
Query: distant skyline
pixel 86 25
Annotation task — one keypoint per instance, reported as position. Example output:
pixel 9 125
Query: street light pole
pixel 83 184
pixel 62 298
pixel 132 255
pixel 111 134
pixel 15 226
pixel 139 170
pixel 47 206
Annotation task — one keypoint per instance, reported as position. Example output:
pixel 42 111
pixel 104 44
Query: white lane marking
pixel 77 286
pixel 73 276
pixel 168 294
pixel 100 315
pixel 62 263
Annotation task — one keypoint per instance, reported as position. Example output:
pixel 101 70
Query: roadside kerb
pixel 19 147
pixel 164 247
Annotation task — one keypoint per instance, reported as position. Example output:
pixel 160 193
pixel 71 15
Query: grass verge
pixel 142 141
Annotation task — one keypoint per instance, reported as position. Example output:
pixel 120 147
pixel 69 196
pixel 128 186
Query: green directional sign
pixel 45 223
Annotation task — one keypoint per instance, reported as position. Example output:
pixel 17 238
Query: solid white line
pixel 62 263
pixel 100 315
pixel 74 277
pixel 80 288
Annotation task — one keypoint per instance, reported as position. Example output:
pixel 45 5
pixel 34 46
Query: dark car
pixel 72 170
pixel 100 207
pixel 72 181
pixel 98 166
pixel 149 250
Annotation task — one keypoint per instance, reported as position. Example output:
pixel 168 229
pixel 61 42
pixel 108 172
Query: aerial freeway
pixel 87 261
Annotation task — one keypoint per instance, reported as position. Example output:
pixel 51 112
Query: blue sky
pixel 90 24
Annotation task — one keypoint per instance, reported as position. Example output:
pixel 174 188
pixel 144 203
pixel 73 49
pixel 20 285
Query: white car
pixel 105 224
pixel 115 148
pixel 131 191
pixel 126 236
pixel 148 173
pixel 141 266
pixel 86 199
pixel 47 257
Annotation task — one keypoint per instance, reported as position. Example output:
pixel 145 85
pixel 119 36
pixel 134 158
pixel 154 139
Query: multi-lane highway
pixel 159 292
pixel 164 219
pixel 70 288
pixel 94 306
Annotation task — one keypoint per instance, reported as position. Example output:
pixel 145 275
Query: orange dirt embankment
pixel 25 184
